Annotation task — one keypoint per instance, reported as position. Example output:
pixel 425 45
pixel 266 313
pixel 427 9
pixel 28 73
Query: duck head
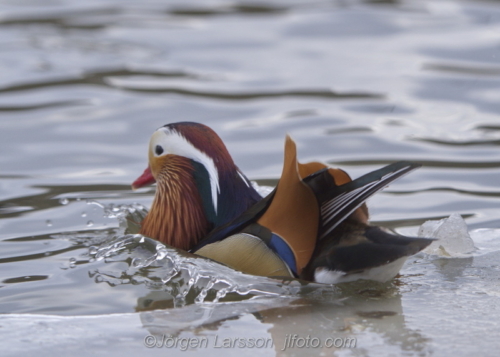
pixel 198 185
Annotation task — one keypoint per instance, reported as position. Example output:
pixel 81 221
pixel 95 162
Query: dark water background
pixel 358 84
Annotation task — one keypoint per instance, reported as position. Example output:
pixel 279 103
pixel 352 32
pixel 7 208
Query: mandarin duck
pixel 313 225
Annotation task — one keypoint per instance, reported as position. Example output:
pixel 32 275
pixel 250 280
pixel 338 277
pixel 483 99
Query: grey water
pixel 357 84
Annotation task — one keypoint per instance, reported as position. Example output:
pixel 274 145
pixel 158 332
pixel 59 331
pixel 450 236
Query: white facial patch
pixel 174 143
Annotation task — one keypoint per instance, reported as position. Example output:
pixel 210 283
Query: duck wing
pixel 358 251
pixel 300 209
pixel 337 202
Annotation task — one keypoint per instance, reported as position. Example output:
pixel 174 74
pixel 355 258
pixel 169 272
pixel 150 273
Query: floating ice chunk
pixel 453 239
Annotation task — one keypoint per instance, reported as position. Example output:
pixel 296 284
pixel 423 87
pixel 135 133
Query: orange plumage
pixel 176 216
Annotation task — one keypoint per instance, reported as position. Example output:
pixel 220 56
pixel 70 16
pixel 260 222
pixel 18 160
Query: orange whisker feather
pixel 176 216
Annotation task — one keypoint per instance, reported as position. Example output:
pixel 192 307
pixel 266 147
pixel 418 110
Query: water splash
pixel 129 216
pixel 186 277
pixel 181 277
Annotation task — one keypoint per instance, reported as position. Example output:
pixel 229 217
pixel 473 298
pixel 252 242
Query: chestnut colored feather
pixel 294 213
pixel 207 141
pixel 176 216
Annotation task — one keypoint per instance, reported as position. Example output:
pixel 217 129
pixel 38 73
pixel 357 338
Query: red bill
pixel 145 179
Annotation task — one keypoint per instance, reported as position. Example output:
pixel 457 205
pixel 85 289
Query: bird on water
pixel 313 226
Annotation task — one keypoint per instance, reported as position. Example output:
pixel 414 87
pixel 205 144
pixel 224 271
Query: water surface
pixel 358 84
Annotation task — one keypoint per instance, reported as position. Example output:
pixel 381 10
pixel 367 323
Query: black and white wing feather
pixel 338 202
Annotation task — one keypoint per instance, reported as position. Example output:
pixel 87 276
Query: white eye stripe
pixel 174 143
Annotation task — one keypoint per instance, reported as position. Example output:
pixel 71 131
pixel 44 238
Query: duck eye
pixel 158 150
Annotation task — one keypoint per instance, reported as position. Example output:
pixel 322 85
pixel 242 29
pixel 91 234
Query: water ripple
pixel 62 17
pixel 463 69
pixel 26 107
pixel 230 9
pixel 458 143
pixel 108 78
pixel 429 163
pixel 92 77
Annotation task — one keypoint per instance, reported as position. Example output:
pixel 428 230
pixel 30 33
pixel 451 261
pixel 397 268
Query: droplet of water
pixel 201 296
pixel 48 223
pixel 84 214
pixel 93 250
pixel 220 295
pixel 161 254
pixel 137 262
pixel 72 262
pixel 64 201
pixel 90 224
